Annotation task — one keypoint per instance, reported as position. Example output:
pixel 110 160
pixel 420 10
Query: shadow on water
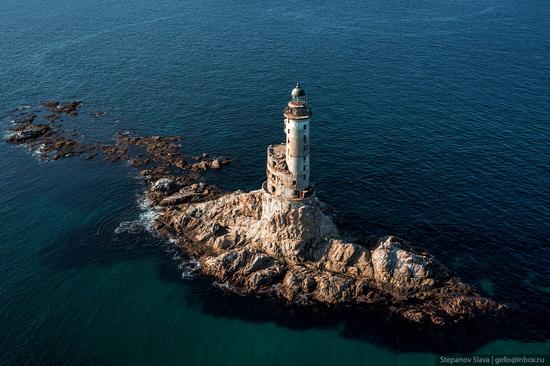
pixel 87 245
pixel 371 325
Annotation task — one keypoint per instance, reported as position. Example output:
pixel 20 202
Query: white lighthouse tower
pixel 297 116
pixel 288 164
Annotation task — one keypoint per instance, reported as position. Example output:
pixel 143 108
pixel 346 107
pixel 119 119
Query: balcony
pixel 298 111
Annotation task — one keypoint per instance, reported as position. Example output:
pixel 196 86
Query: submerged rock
pixel 70 108
pixel 26 133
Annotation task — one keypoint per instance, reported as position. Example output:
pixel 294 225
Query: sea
pixel 431 121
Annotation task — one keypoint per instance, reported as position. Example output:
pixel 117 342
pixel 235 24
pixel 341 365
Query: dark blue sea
pixel 431 121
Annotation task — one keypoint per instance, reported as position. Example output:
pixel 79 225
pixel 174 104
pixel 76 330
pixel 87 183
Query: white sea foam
pixel 189 268
pixel 222 285
pixel 40 152
pixel 9 134
pixel 145 221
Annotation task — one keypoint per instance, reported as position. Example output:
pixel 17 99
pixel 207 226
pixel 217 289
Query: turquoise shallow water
pixel 431 120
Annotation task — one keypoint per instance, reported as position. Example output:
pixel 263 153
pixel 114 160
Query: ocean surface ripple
pixel 431 121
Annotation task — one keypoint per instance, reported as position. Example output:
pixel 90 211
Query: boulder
pixel 402 270
pixel 348 258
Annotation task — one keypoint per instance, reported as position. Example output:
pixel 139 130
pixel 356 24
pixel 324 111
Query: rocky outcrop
pixel 157 156
pixel 56 107
pixel 256 243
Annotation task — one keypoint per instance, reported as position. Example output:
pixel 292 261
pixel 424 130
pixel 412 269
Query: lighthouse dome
pixel 298 92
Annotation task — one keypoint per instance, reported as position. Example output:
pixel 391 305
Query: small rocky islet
pixel 255 245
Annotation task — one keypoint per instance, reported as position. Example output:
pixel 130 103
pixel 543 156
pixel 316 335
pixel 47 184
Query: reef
pixel 255 244
pixel 42 130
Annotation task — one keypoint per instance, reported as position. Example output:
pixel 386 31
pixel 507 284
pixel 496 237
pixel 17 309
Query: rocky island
pixel 280 240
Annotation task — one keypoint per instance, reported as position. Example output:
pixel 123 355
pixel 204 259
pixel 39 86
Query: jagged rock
pixel 298 284
pixel 258 244
pixel 401 270
pixel 68 108
pixel 163 185
pixel 26 133
pixel 348 258
pixel 184 195
pixel 265 277
pixel 334 289
pixel 204 164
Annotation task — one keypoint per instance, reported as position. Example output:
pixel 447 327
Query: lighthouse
pixel 288 164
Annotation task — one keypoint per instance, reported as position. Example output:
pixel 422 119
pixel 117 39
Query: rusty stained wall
pixel 297 151
pixel 280 181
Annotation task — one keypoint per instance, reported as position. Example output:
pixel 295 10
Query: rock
pixel 216 228
pixel 222 242
pixel 193 212
pixel 298 285
pixel 201 165
pixel 184 195
pixel 265 277
pixel 204 164
pixel 402 270
pixel 68 108
pixel 139 162
pixel 26 133
pixel 163 185
pixel 215 164
pixel 219 163
pixel 334 289
pixel 349 258
pixel 293 250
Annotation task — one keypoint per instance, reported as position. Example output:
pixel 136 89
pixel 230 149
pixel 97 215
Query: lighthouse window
pixel 304 177
pixel 293 182
pixel 305 138
pixel 305 127
pixel 304 166
pixel 304 161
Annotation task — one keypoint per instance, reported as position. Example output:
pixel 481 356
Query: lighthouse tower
pixel 288 164
pixel 297 114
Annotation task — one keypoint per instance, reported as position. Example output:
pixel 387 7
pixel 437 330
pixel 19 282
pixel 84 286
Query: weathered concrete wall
pixel 297 151
pixel 273 204
pixel 279 179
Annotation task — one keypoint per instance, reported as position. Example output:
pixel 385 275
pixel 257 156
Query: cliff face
pixel 258 244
